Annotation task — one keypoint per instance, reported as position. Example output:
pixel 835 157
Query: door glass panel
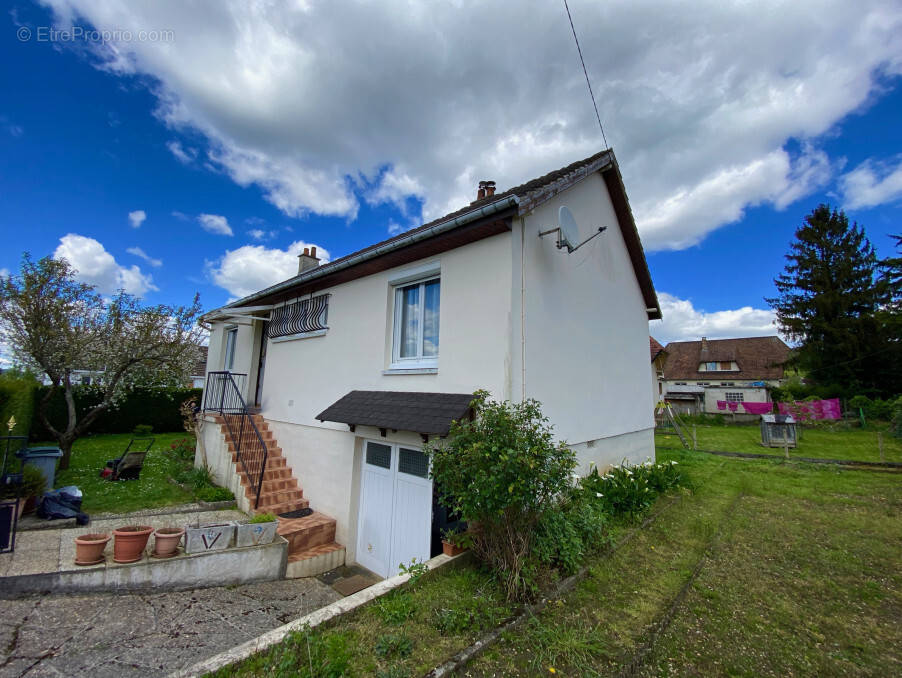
pixel 378 455
pixel 430 319
pixel 410 321
pixel 413 462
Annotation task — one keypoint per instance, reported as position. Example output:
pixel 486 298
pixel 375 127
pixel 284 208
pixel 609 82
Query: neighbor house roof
pixel 655 348
pixel 480 219
pixel 200 367
pixel 424 413
pixel 758 358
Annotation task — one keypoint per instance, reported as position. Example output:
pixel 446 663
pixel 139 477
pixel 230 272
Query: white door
pixel 395 520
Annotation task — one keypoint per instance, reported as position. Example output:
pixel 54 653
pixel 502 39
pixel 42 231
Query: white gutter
pixel 354 259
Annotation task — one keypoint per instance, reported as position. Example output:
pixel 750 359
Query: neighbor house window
pixel 734 397
pixel 416 324
pixel 231 340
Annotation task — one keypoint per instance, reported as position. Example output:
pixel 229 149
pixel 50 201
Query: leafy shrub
pixel 214 493
pixel 143 430
pixel 874 409
pixel 262 518
pixel 183 448
pixel 396 607
pixel 565 537
pixel 394 645
pixel 414 570
pixel 632 489
pixel 33 484
pixel 17 401
pixel 502 472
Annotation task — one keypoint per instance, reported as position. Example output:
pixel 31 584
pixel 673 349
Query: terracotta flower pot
pixel 450 549
pixel 166 541
pixel 129 543
pixel 89 548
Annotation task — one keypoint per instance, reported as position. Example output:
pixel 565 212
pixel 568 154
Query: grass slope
pixel 787 569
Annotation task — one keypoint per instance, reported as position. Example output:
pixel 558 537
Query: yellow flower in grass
pixel 551 669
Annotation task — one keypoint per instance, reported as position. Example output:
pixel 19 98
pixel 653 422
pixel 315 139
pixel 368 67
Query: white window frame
pixel 418 363
pixel 231 334
pixel 734 396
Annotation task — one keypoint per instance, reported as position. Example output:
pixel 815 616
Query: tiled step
pixel 284 507
pixel 313 561
pixel 277 497
pixel 305 533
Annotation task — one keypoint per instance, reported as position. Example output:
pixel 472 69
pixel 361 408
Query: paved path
pixel 148 634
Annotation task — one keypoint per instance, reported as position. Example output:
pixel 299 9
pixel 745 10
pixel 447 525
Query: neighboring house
pixel 199 373
pixel 705 376
pixel 658 358
pixel 351 365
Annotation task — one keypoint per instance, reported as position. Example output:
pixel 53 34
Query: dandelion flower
pixel 551 669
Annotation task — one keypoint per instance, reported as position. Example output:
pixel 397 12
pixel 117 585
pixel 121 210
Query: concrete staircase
pixel 312 548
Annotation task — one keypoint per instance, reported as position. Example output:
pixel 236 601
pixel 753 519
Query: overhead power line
pixel 583 62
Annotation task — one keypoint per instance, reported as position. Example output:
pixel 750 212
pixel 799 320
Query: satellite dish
pixel 568 236
pixel 568 232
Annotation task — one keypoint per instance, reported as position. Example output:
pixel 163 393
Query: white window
pixel 416 325
pixel 231 340
pixel 734 397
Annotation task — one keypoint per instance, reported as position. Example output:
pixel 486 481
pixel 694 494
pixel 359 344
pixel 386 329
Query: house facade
pixel 352 365
pixel 725 376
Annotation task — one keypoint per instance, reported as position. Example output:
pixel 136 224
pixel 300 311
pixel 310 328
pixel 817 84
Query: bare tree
pixel 57 325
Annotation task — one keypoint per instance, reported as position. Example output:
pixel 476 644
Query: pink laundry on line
pixel 812 409
pixel 758 408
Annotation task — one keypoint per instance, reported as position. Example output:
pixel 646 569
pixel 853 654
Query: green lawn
pixel 786 568
pixel 798 571
pixel 823 443
pixel 153 489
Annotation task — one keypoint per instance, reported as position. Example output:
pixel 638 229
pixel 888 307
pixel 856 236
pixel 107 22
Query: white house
pixel 723 375
pixel 352 364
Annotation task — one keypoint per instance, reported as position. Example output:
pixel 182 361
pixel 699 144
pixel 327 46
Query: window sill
pixel 302 335
pixel 409 370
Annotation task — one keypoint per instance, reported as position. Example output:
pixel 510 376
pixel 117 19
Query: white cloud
pixel 138 252
pixel 96 266
pixel 137 218
pixel 184 155
pixel 181 216
pixel 394 228
pixel 260 234
pixel 683 322
pixel 872 183
pixel 249 269
pixel 4 272
pixel 699 99
pixel 215 223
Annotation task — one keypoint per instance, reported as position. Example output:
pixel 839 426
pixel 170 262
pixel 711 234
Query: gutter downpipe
pixel 486 210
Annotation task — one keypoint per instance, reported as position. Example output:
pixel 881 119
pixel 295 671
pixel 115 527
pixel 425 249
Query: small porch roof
pixel 423 413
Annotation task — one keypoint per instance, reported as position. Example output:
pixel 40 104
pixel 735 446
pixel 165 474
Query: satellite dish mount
pixel 568 232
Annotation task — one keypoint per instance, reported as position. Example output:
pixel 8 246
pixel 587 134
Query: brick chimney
pixel 486 190
pixel 704 344
pixel 307 260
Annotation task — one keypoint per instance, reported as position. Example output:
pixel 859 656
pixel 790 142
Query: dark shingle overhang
pixel 423 413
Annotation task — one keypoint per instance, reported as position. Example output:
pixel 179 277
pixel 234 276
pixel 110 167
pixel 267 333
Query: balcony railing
pixel 224 396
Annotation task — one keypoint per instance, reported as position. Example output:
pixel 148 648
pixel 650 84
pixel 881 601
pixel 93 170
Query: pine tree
pixel 829 298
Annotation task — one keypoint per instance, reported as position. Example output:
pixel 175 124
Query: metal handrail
pixel 222 395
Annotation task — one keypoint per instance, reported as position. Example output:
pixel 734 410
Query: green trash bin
pixel 44 459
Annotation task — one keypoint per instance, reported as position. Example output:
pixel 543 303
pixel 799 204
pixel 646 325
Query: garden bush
pixel 17 390
pixel 502 472
pixel 629 490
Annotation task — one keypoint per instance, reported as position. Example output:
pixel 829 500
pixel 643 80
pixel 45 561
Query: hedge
pixel 156 407
pixel 16 400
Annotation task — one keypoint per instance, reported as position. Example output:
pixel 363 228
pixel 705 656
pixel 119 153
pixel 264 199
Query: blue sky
pixel 243 135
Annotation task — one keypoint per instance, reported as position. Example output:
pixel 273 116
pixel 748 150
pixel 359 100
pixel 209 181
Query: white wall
pixel 304 376
pixel 750 395
pixel 585 327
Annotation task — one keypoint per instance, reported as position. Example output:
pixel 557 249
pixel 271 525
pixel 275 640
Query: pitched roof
pixel 655 348
pixel 425 413
pixel 758 358
pixel 517 200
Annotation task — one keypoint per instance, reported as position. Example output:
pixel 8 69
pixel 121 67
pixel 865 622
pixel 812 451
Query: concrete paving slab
pixel 146 634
